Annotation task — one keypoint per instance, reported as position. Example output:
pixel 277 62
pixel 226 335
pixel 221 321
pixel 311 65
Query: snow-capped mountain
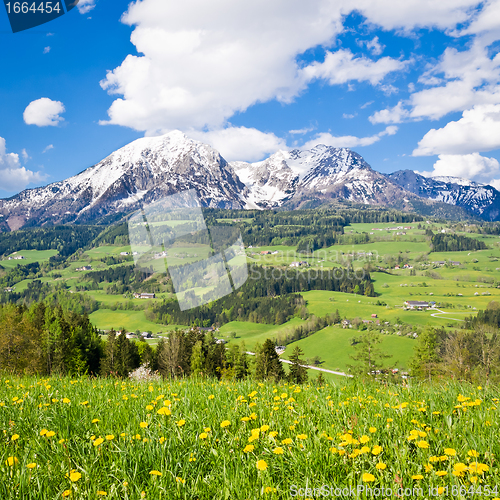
pixel 480 199
pixel 150 168
pixel 142 171
pixel 323 172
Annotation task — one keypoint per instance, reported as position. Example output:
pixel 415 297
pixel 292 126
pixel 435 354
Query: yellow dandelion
pixel 372 430
pixel 248 448
pixel 155 473
pixel 50 434
pixel 110 437
pixel 417 476
pixel 364 439
pixel 367 477
pixel 180 480
pixel 278 451
pixel 162 411
pixel 43 432
pixel 66 493
pixel 31 465
pixel 66 400
pixel 74 476
pixel 203 435
pixel 11 461
pixel 261 465
pixel 450 452
pixel 14 437
pixel 441 473
pixel 101 493
pixel 95 420
pixel 225 423
pixel 286 441
pixel 273 434
pixel 423 444
pixel 211 396
pixel 143 425
pixel 302 436
pixel 98 441
pixel 377 450
pixel 381 466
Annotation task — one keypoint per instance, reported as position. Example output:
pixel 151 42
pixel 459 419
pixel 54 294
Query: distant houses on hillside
pixel 17 257
pixel 84 268
pixel 144 295
pixel 418 304
pixel 299 263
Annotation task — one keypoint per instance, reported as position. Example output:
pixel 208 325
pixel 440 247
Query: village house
pixel 144 295
pixel 84 268
pixel 416 304
pixel 299 263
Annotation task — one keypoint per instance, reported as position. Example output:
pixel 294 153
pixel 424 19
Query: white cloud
pixel 472 166
pixel 48 148
pixel 348 141
pixel 390 115
pixel 374 46
pixel 15 177
pixel 85 6
pixel 25 155
pixel 46 50
pixel 477 131
pixel 410 14
pixel 301 131
pixel 43 112
pixel 342 66
pixel 202 62
pixel 240 143
pixel 349 116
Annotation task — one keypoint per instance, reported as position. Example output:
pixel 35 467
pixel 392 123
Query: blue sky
pixel 411 84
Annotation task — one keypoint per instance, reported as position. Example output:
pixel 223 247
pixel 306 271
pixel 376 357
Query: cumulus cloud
pixel 390 115
pixel 472 166
pixel 46 50
pixel 202 62
pixel 240 143
pixel 14 176
pixel 477 131
pixel 342 66
pixel 348 141
pixel 85 6
pixel 44 112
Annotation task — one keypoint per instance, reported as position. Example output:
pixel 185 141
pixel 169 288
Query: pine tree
pixel 241 363
pixel 268 363
pixel 298 373
pixel 197 359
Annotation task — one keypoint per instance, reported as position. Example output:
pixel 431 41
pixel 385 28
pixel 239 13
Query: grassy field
pixel 105 319
pixel 202 439
pixel 333 346
pixel 30 256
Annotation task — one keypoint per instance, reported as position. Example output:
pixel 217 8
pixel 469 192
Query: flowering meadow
pixel 189 439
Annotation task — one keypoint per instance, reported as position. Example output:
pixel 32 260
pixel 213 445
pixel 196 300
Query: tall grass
pixel 187 439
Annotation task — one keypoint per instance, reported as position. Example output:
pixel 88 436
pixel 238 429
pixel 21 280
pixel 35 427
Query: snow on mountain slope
pixel 144 170
pixel 323 172
pixel 154 167
pixel 480 199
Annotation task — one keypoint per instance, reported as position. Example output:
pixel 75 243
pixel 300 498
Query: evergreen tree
pixel 241 367
pixel 298 373
pixel 109 361
pixel 197 359
pixel 268 363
